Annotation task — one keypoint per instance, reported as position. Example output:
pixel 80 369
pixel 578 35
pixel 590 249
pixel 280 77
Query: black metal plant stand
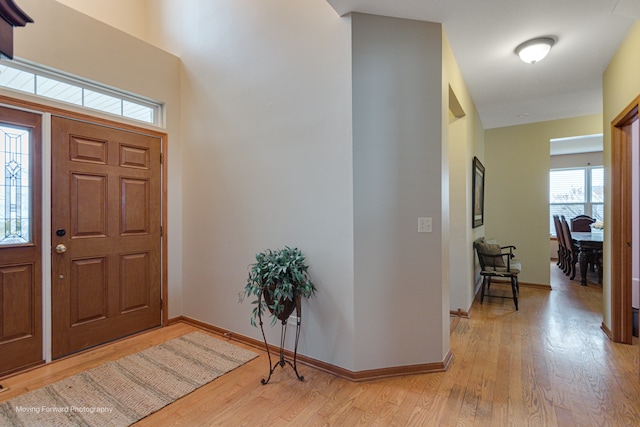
pixel 283 335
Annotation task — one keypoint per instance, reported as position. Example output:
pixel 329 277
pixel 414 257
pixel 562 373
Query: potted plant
pixel 277 280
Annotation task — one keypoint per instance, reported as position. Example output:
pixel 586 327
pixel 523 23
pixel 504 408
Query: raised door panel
pixel 87 150
pixel 89 293
pixel 134 206
pixel 134 157
pixel 135 282
pixel 17 295
pixel 88 205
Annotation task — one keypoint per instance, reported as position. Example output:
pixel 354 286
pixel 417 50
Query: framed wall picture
pixel 478 193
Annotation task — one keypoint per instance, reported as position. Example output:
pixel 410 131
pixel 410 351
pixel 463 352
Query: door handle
pixel 61 248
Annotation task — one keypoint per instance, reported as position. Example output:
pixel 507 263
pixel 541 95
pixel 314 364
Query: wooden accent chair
pixel 581 223
pixel 497 262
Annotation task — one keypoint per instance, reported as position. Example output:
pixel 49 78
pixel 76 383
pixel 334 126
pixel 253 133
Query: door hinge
pixel 161 231
pixel 161 158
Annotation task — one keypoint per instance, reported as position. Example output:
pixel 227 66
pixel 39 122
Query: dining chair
pixel 562 250
pixel 582 223
pixel 571 256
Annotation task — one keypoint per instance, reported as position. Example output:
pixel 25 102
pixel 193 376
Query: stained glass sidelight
pixel 15 192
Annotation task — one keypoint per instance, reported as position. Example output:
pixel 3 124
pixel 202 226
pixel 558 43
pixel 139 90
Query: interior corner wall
pixel 620 85
pixel 466 141
pixel 67 40
pixel 266 110
pixel 126 15
pixel 517 162
pixel 397 177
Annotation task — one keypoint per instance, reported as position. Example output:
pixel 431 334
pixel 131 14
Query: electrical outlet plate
pixel 292 320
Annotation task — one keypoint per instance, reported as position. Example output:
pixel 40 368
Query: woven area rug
pixel 123 391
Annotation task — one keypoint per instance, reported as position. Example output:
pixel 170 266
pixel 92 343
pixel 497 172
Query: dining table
pixel 589 247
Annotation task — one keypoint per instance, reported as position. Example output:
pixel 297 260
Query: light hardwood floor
pixel 548 364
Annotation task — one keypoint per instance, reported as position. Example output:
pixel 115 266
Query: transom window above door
pixel 31 78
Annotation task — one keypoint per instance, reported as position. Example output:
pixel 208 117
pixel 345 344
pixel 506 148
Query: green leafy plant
pixel 276 280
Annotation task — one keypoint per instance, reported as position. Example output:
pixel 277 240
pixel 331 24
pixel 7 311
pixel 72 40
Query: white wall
pixel 398 172
pixel 126 15
pixel 64 39
pixel 266 110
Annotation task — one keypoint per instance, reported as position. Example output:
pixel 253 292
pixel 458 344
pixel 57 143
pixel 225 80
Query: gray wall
pixel 398 177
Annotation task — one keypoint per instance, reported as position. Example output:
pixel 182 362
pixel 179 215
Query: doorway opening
pixel 576 188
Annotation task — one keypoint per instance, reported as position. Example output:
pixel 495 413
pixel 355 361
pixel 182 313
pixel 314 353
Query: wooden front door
pixel 106 234
pixel 20 240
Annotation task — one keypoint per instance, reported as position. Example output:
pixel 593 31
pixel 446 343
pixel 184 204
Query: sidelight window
pixel 15 192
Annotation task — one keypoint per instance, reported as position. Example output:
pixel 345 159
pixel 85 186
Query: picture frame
pixel 478 193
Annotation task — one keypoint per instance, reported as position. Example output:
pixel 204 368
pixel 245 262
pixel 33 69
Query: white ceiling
pixel 484 33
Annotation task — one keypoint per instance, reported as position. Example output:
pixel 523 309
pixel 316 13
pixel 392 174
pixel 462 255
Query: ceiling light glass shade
pixel 535 50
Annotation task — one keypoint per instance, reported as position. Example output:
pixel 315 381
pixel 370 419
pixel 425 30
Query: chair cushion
pixel 515 264
pixel 491 249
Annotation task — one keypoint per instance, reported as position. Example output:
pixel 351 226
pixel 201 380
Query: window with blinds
pixel 576 191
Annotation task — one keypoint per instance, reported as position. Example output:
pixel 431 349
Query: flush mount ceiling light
pixel 535 50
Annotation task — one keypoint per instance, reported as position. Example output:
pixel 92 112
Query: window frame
pixel 125 98
pixel 588 204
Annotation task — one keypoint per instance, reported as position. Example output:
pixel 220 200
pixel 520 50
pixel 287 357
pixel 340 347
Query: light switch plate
pixel 424 225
